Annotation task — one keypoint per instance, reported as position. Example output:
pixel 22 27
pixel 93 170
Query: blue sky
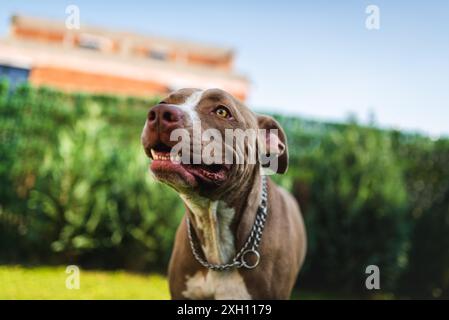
pixel 313 59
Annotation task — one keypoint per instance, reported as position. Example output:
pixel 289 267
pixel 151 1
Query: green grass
pixel 50 283
pixel 18 282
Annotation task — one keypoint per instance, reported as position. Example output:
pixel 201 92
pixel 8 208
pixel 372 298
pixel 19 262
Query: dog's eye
pixel 222 112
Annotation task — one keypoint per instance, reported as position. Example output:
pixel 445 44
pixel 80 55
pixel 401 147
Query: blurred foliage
pixel 75 188
pixel 426 165
pixel 357 204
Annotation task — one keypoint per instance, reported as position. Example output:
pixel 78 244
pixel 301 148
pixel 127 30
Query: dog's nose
pixel 162 119
pixel 165 116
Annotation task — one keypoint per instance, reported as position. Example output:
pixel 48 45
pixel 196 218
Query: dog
pixel 242 236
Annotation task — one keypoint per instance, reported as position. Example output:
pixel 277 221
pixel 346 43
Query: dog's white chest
pixel 213 220
pixel 218 285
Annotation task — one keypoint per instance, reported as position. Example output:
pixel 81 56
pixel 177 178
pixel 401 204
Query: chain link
pixel 251 244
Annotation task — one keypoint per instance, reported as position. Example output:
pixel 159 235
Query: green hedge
pixel 75 188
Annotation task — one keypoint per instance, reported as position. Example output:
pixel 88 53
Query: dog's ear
pixel 274 142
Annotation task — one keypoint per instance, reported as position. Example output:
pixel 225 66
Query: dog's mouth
pixel 165 163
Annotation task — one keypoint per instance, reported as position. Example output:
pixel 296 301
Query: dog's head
pixel 206 142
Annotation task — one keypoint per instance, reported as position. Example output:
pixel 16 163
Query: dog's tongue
pixel 202 172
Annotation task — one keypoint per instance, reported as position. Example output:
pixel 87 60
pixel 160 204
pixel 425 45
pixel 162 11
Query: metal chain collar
pixel 251 245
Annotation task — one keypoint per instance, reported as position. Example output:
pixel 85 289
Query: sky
pixel 314 59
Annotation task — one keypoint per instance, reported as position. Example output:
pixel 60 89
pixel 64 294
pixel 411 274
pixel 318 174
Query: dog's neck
pixel 222 226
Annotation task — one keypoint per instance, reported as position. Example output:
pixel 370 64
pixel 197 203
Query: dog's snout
pixel 165 115
pixel 162 119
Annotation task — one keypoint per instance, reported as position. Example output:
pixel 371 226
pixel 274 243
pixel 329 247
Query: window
pixel 14 75
pixel 158 54
pixel 94 42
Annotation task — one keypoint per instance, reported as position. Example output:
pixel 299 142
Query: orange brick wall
pixel 71 80
pixel 36 34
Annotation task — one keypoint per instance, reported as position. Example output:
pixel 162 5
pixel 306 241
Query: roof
pixel 47 24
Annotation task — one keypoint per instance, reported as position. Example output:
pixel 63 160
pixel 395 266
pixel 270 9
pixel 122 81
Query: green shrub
pixel 79 188
pixel 427 177
pixel 356 211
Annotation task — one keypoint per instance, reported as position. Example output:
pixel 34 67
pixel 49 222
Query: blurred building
pixel 90 59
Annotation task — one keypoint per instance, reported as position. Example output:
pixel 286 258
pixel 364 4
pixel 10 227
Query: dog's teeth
pixel 163 157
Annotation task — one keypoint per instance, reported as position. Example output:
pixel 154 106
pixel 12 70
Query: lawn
pixel 50 283
pixel 18 282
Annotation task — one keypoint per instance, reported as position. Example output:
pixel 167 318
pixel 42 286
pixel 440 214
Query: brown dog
pixel 232 243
